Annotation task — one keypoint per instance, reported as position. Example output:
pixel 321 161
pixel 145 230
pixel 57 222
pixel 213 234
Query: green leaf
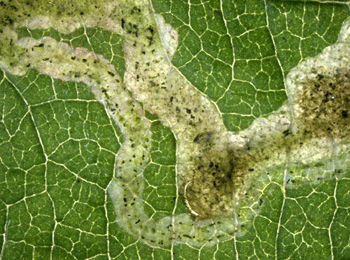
pixel 98 116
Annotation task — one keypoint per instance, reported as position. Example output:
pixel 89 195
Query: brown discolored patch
pixel 325 104
pixel 209 191
pixel 215 179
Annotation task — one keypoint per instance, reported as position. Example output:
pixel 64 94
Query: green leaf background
pixel 57 151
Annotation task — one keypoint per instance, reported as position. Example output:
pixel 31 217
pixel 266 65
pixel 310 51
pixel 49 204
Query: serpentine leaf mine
pixel 216 170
